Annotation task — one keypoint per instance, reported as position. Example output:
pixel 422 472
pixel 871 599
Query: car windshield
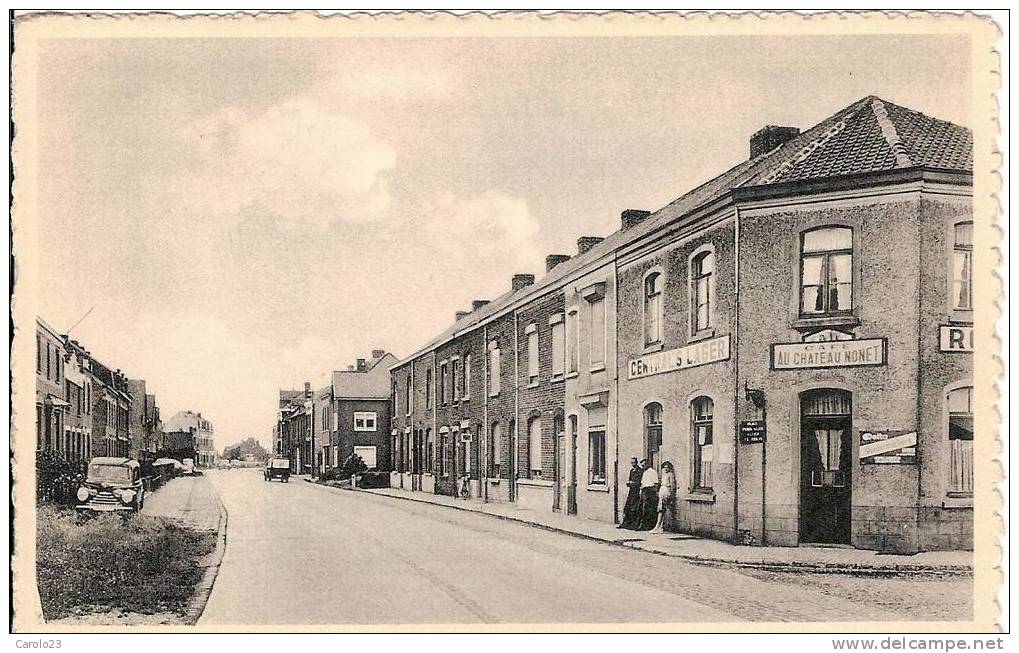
pixel 109 473
pixel 280 463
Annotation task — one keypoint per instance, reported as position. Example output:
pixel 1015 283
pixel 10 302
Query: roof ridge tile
pixel 890 134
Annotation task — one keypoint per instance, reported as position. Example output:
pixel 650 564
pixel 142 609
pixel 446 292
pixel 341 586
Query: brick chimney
pixel 461 315
pixel 362 364
pixel 769 137
pixel 631 217
pixel 307 391
pixel 378 353
pixel 585 243
pixel 553 260
pixel 522 281
pixel 478 303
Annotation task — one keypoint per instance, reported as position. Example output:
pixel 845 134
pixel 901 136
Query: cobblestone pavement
pixel 306 554
pixel 190 500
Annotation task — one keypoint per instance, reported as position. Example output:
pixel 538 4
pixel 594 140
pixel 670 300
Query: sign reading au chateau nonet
pixel 834 353
pixel 701 353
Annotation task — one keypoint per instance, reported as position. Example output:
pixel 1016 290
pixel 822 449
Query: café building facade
pixel 794 335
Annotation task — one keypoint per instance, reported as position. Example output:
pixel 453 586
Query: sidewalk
pixel 190 500
pixel 707 551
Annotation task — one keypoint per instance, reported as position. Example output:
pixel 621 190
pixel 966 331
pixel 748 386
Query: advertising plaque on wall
pixel 699 353
pixel 833 353
pixel 752 431
pixel 887 447
pixel 955 338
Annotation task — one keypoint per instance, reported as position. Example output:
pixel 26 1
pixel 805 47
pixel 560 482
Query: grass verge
pixel 141 564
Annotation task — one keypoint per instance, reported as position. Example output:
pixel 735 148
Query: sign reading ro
pixel 701 353
pixel 834 353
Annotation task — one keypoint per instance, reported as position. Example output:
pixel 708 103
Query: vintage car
pixel 278 468
pixel 111 485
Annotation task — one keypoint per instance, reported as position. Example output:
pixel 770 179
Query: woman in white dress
pixel 666 498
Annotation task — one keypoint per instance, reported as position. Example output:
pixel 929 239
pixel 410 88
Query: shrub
pixel 138 564
pixel 353 465
pixel 374 480
pixel 57 478
pixel 334 474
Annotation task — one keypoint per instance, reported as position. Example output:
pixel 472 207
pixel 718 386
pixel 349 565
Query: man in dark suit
pixel 631 509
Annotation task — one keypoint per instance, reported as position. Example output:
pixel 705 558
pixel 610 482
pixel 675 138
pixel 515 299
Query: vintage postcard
pixel 575 322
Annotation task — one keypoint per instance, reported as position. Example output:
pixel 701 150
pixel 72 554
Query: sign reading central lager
pixel 701 353
pixel 834 353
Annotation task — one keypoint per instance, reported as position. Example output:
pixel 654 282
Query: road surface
pixel 302 554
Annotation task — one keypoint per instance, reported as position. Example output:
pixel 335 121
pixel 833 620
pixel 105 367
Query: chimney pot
pixel 478 303
pixel 769 137
pixel 631 217
pixel 461 315
pixel 585 243
pixel 361 364
pixel 307 391
pixel 553 260
pixel 522 281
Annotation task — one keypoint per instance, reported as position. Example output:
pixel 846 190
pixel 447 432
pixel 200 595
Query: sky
pixel 248 214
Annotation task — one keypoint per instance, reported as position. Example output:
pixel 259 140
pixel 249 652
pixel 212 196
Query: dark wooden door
pixel 826 466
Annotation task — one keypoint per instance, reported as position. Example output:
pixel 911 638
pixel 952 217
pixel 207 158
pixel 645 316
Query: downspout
pixel 485 454
pixel 615 394
pixel 736 393
pixel 413 410
pixel 514 455
pixel 435 426
pixel 918 459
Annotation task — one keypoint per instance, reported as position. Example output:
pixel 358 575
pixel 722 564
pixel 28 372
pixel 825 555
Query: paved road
pixel 299 553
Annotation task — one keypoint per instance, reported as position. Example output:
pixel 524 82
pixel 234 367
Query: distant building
pixel 145 428
pixel 190 427
pixel 294 429
pixel 359 417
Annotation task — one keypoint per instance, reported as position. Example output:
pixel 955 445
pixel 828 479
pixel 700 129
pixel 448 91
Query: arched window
pixel 429 451
pixel 534 447
pixel 702 411
pixel 702 270
pixel 960 441
pixel 494 368
pixel 826 271
pixel 652 308
pixel 495 447
pixel 962 267
pixel 653 434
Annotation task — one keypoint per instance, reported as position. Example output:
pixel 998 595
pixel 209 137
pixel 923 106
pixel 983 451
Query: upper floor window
pixel 702 417
pixel 596 342
pixel 960 440
pixel 365 421
pixel 558 346
pixel 443 382
pixel 394 395
pixel 652 308
pixel 532 353
pixel 494 368
pixel 572 333
pixel 455 379
pixel 826 271
pixel 467 377
pixel 409 393
pixel 962 267
pixel 38 354
pixel 702 271
pixel 428 388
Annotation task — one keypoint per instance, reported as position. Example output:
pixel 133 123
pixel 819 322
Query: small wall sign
pixel 956 338
pixel 887 447
pixel 752 431
pixel 700 353
pixel 833 353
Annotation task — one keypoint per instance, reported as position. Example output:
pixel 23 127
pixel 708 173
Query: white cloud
pixel 294 160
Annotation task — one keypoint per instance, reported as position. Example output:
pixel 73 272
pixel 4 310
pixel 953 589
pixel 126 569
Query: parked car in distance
pixel 189 466
pixel 278 468
pixel 111 485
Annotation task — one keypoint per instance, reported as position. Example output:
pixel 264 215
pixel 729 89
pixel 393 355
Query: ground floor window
pixel 429 452
pixel 960 441
pixel 596 456
pixel 367 454
pixel 702 416
pixel 336 456
pixel 444 452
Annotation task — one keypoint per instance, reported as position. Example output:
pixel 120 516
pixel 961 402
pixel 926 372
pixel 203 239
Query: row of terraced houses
pixel 794 335
pixel 85 408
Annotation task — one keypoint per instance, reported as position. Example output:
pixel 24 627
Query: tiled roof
pixel 370 384
pixel 870 135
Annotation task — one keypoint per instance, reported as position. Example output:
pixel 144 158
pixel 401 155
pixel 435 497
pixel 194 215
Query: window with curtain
pixel 443 382
pixel 532 354
pixel 428 388
pixel 494 369
pixel 702 418
pixel 960 441
pixel 455 379
pixel 534 447
pixel 572 349
pixel 495 447
pixel 962 267
pixel 702 270
pixel 652 309
pixel 597 335
pixel 467 377
pixel 653 434
pixel 558 349
pixel 826 271
pixel 596 457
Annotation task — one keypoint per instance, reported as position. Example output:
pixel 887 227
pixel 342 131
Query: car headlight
pixel 127 496
pixel 83 493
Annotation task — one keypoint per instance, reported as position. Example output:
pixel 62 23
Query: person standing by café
pixel 666 498
pixel 648 496
pixel 631 509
